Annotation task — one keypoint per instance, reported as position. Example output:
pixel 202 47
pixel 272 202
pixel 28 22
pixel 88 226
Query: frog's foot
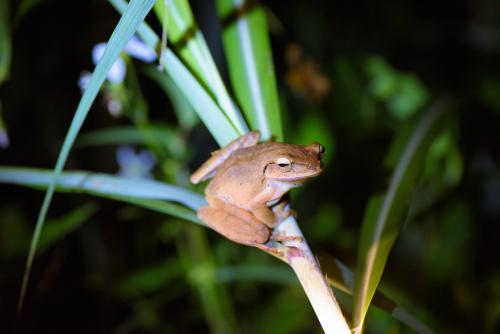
pixel 282 211
pixel 281 237
pixel 279 252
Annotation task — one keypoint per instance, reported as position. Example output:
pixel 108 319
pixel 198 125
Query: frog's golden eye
pixel 284 163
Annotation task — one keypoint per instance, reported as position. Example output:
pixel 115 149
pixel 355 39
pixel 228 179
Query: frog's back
pixel 239 179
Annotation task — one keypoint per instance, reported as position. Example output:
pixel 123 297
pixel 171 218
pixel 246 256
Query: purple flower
pixel 4 139
pixel 135 165
pixel 118 70
pixel 137 49
pixel 134 48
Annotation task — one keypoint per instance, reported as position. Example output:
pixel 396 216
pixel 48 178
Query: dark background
pixel 445 265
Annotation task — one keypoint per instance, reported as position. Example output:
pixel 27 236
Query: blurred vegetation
pixel 356 76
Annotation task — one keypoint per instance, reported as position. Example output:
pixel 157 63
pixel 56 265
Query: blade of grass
pixel 340 277
pixel 248 51
pixel 56 229
pixel 102 185
pixel 150 195
pixel 128 24
pixel 184 34
pixel 384 215
pixel 256 273
pixel 121 135
pixel 149 279
pixel 161 207
pixel 199 263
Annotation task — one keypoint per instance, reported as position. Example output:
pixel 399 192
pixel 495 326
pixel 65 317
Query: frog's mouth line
pixel 297 180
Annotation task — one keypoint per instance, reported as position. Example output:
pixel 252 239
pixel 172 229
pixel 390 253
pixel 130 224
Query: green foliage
pixel 434 219
pixel 248 52
pixel 182 29
pixel 384 214
pixel 313 128
pixel 403 92
pixel 136 12
pixel 167 137
pixel 184 112
pixel 102 185
pixel 58 228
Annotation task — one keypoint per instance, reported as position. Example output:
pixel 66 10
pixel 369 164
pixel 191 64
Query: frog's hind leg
pixel 242 228
pixel 208 169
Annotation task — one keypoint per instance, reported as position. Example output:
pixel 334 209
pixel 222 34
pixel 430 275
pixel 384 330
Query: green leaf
pixel 5 41
pixel 186 37
pixel 403 92
pixel 248 51
pixel 149 279
pixel 128 24
pixel 385 213
pixel 256 273
pixel 340 277
pixel 122 135
pixel 15 233
pixel 56 229
pixel 161 207
pixel 102 185
pixel 24 7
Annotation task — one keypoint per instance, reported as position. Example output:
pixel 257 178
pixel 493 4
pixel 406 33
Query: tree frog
pixel 245 195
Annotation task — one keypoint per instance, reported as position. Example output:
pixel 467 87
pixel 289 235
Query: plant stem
pixel 305 266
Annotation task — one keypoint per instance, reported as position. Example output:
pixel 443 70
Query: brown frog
pixel 245 196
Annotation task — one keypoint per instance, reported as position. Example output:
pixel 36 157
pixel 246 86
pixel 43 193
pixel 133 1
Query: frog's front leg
pixel 235 224
pixel 272 216
pixel 209 167
pixel 266 215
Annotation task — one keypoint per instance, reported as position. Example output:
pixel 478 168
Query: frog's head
pixel 294 163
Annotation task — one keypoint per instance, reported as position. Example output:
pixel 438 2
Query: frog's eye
pixel 321 150
pixel 284 163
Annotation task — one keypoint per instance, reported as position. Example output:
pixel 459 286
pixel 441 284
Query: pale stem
pixel 317 289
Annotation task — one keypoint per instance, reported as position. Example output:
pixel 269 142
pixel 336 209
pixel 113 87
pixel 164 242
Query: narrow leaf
pixel 130 135
pixel 128 24
pixel 340 277
pixel 385 213
pixel 56 229
pixel 161 207
pixel 102 185
pixel 144 281
pixel 187 39
pixel 248 51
